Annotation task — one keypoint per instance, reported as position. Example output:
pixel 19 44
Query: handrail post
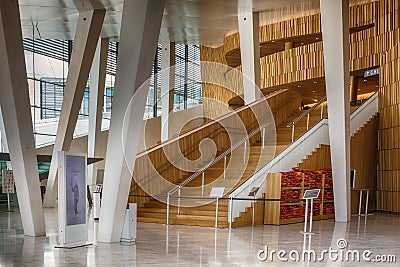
pixel 168 208
pixel 322 111
pixel 245 150
pixel 224 167
pixel 230 212
pixel 308 120
pixel 263 136
pixel 179 200
pixel 292 132
pixel 202 184
pixel 216 214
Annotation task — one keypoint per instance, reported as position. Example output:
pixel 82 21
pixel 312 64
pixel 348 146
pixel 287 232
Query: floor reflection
pixel 175 245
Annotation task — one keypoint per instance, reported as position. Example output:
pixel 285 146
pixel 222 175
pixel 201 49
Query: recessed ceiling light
pixel 302 43
pixel 359 89
pixel 315 82
pixel 376 86
pixel 365 80
pixel 316 38
pixel 315 100
pixel 299 86
pixel 313 91
pixel 273 41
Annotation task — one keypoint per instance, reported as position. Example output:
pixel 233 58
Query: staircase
pixel 287 152
pixel 155 211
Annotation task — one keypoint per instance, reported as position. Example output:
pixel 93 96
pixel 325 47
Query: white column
pixel 15 107
pixel 249 34
pixel 335 36
pixel 87 35
pixel 96 101
pixel 140 27
pixel 4 145
pixel 167 88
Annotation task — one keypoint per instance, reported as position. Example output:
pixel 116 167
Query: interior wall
pixel 151 135
pixel 363 159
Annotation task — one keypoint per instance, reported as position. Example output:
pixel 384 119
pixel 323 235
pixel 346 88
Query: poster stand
pixel 72 200
pixel 309 195
pixel 8 187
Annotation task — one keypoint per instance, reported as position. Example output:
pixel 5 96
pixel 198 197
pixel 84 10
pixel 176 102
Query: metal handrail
pixel 226 153
pixel 308 111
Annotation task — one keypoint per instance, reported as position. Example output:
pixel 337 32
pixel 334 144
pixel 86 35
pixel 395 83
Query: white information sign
pixel 217 192
pixel 72 199
pixel 311 194
pixel 7 182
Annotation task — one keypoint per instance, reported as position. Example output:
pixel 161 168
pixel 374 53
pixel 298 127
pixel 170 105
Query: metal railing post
pixel 230 212
pixel 292 132
pixel 202 184
pixel 224 167
pixel 216 214
pixel 179 200
pixel 308 120
pixel 263 137
pixel 245 150
pixel 168 208
pixel 322 110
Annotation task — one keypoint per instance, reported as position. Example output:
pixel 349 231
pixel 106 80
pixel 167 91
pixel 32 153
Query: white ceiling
pixel 185 21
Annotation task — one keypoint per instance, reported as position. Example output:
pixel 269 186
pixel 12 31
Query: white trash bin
pixel 130 221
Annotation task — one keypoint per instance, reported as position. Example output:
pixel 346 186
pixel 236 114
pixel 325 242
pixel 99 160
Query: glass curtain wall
pixel 47 62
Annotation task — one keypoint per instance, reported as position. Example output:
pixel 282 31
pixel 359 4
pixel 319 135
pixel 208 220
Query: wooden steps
pixel 204 215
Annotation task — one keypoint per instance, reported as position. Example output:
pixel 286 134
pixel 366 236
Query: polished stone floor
pixel 159 245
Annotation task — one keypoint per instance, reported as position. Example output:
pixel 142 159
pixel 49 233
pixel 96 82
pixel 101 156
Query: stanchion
pixel 366 203
pixel 309 195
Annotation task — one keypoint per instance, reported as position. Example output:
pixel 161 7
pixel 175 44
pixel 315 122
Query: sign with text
pixel 311 193
pixel 371 72
pixel 253 191
pixel 72 198
pixel 217 192
pixel 7 182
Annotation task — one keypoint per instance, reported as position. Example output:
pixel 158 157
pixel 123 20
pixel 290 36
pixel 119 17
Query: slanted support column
pixel 4 145
pixel 140 28
pixel 86 38
pixel 335 36
pixel 167 88
pixel 15 107
pixel 96 101
pixel 249 34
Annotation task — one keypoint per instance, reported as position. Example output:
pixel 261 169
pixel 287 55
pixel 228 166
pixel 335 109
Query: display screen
pixel 75 189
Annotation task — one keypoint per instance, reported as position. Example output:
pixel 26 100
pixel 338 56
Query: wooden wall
pixel 158 168
pixel 363 158
pixel 376 46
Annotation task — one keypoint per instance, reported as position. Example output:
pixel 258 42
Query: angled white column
pixel 335 36
pixel 167 88
pixel 140 28
pixel 15 107
pixel 96 101
pixel 249 34
pixel 86 37
pixel 4 145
